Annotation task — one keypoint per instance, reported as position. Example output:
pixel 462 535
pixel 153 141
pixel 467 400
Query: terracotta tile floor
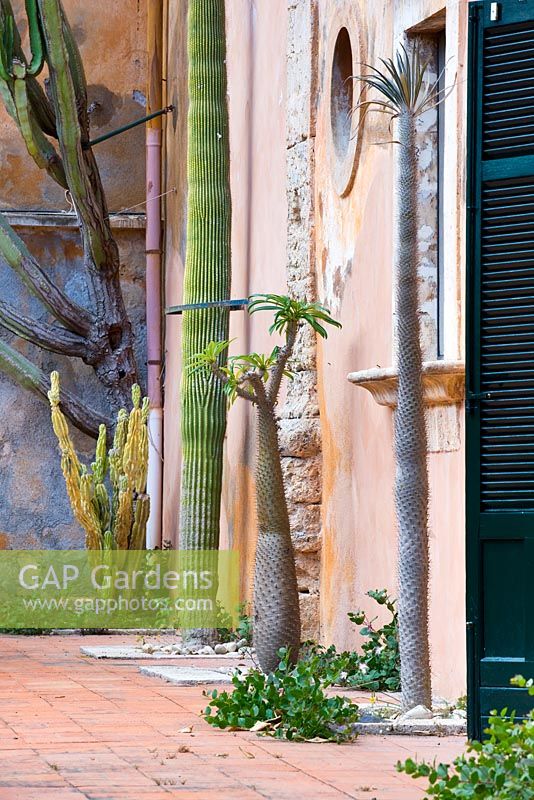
pixel 73 727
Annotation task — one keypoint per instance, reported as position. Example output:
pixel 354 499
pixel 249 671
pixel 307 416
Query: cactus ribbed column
pixel 207 274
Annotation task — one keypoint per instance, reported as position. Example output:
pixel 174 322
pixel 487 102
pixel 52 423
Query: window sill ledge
pixel 443 383
pixel 63 219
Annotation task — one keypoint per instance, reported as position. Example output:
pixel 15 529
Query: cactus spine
pixel 207 273
pixel 114 517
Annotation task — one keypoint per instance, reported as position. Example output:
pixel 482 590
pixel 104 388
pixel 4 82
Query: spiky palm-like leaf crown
pixel 404 85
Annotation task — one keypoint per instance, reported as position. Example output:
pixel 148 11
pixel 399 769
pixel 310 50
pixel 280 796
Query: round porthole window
pixel 344 56
pixel 341 94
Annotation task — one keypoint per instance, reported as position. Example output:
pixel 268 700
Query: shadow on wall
pixel 34 510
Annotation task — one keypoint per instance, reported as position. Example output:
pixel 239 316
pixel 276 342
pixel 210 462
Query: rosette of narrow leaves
pixel 403 84
pixel 289 312
pixel 237 368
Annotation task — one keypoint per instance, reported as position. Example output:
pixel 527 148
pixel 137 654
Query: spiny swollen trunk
pixel 207 274
pixel 411 485
pixel 276 600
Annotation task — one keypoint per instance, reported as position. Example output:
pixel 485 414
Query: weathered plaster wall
pixel 299 423
pixel 355 256
pixel 34 511
pixel 111 37
pixel 299 212
pixel 256 63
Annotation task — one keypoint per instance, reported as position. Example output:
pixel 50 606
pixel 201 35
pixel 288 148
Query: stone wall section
pixel 299 423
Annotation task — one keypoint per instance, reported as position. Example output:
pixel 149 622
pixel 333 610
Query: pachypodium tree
pixel 257 379
pixel 405 93
pixel 207 278
pixel 109 499
pixel 53 120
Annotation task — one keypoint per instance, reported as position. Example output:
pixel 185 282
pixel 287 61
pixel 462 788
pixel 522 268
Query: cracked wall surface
pixel 299 424
pixel 34 509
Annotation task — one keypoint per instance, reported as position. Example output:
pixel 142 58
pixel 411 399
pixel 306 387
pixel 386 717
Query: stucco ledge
pixel 443 383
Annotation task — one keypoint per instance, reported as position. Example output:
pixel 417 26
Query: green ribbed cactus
pixel 207 273
pixel 9 62
pixel 109 500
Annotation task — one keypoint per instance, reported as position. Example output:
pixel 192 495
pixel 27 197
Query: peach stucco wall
pixel 256 42
pixel 112 40
pixel 354 264
pixel 355 248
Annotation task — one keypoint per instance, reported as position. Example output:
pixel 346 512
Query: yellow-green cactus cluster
pixel 109 500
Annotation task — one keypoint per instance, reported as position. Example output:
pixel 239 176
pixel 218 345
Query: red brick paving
pixel 73 727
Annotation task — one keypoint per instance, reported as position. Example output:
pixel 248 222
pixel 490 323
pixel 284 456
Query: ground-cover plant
pixel 289 703
pixel 499 768
pixel 227 632
pixel 53 120
pixel 257 378
pixel 377 667
pixel 109 498
pixel 404 94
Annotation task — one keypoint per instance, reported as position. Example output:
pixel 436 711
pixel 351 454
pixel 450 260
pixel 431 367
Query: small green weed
pixel 243 629
pixel 377 668
pixel 499 768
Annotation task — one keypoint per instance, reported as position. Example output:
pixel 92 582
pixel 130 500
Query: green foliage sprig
pixel 377 667
pixel 289 703
pixel 288 312
pixel 227 632
pixel 239 372
pixel 500 768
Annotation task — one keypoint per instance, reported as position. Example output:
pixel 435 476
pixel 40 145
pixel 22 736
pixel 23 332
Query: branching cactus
pixel 257 379
pixel 54 125
pixel 108 499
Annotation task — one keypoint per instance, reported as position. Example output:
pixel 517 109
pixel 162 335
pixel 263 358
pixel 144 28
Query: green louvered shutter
pixel 500 356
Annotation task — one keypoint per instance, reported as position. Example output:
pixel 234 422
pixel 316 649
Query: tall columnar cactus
pixel 54 125
pixel 405 94
pixel 207 273
pixel 109 500
pixel 257 378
